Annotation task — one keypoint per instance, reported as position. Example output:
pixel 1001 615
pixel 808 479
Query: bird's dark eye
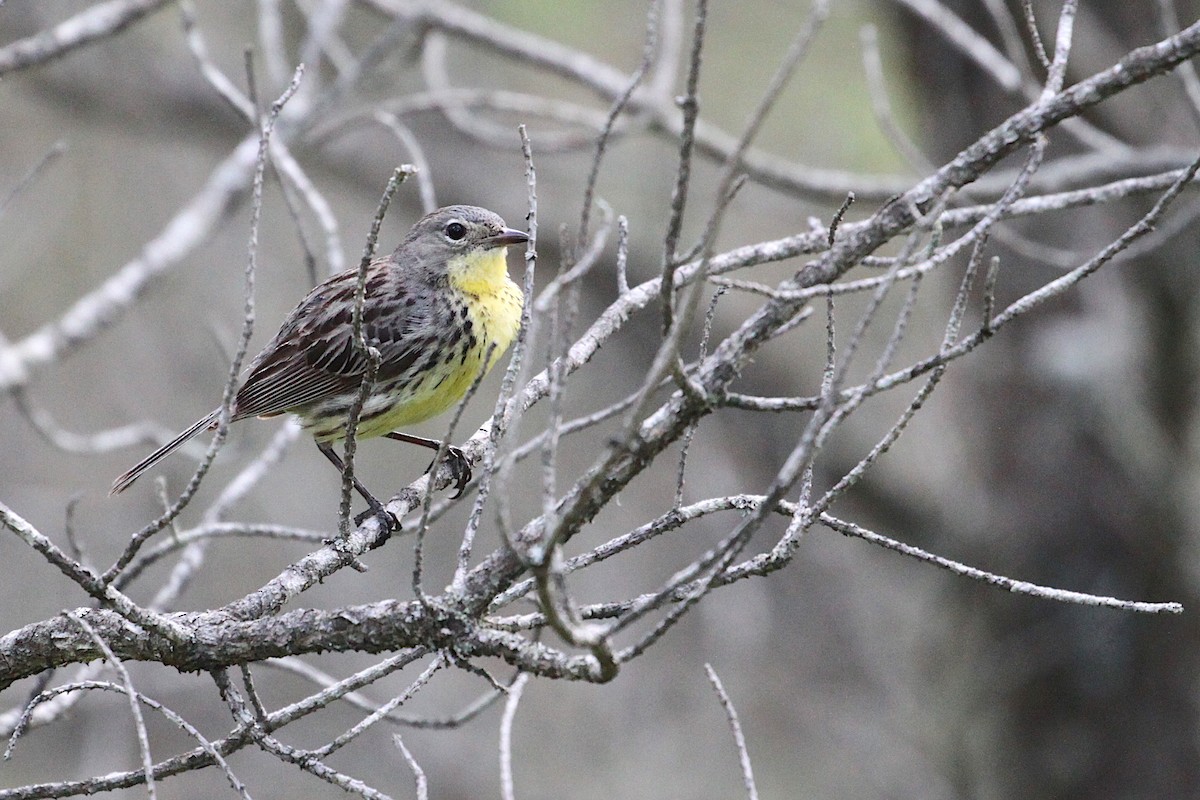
pixel 456 231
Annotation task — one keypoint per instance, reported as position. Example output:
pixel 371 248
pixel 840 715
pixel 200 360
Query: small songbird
pixel 436 309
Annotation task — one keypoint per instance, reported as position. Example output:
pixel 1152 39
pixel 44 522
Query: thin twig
pixel 735 727
pixel 506 725
pixel 56 151
pixel 417 153
pixel 690 104
pixel 648 50
pixel 223 417
pixel 1009 584
pixel 505 419
pixel 131 694
pixel 98 22
pixel 368 351
pixel 382 711
pixel 422 784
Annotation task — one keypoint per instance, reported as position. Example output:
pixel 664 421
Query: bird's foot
pixel 460 469
pixel 388 522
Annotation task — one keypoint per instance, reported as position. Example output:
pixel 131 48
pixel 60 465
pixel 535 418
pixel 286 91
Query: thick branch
pixel 217 641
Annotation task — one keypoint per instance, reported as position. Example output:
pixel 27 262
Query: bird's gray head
pixel 464 245
pixel 457 232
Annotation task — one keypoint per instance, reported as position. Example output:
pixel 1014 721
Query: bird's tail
pixel 125 481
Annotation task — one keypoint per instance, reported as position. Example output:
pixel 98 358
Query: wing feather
pixel 313 358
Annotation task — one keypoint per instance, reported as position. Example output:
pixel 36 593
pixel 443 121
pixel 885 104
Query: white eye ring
pixel 455 230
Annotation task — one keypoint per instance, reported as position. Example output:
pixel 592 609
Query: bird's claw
pixel 388 521
pixel 460 469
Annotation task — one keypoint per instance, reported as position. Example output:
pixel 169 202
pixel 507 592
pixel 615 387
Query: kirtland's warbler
pixel 436 309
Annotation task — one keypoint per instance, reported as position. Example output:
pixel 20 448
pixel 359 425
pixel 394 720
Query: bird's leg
pixel 386 518
pixel 460 467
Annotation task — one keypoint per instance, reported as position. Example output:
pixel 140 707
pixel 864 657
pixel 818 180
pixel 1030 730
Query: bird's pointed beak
pixel 506 237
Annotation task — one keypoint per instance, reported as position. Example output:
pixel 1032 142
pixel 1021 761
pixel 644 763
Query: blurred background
pixel 1063 453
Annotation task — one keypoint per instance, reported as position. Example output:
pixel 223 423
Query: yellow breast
pixel 493 301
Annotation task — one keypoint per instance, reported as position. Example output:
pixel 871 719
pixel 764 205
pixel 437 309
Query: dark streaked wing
pixel 286 381
pixel 312 358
